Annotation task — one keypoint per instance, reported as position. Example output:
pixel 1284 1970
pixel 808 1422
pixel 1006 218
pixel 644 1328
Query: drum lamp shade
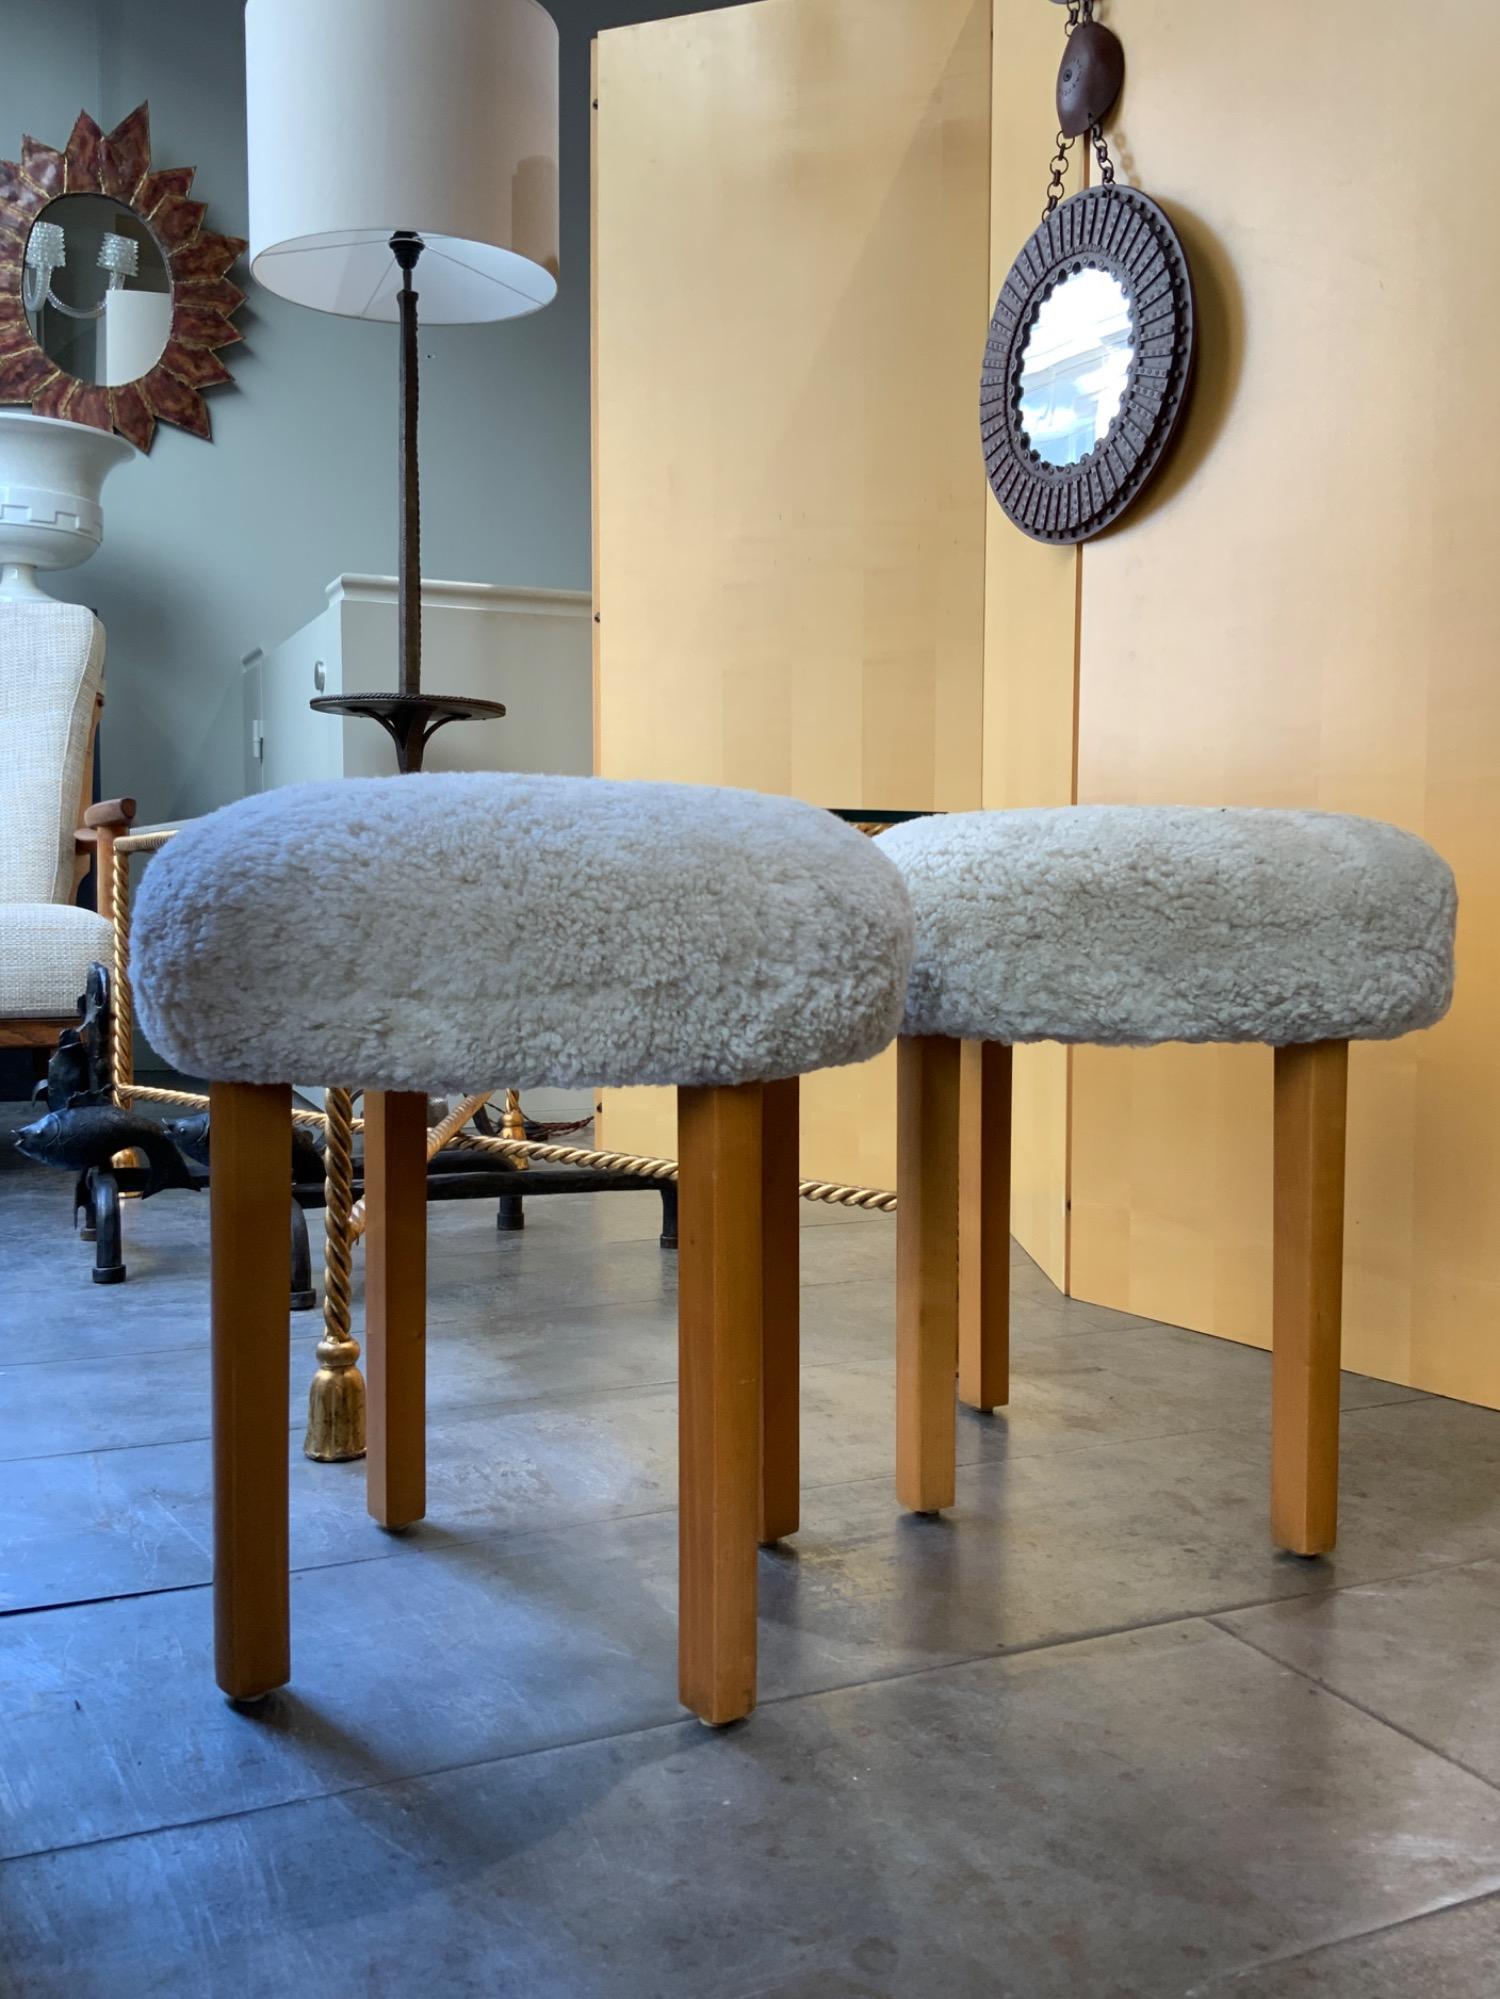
pixel 365 117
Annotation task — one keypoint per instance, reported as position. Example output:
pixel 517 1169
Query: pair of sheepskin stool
pixel 448 932
pixel 1132 926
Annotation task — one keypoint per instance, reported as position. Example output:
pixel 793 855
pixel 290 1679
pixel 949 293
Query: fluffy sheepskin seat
pixel 456 931
pixel 1124 924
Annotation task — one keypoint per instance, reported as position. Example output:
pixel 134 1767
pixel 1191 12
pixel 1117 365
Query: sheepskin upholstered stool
pixel 1134 925
pixel 453 932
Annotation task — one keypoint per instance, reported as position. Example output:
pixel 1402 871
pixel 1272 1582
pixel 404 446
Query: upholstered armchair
pixel 51 691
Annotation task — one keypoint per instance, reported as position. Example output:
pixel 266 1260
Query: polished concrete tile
pixel 536 1634
pixel 1454 1953
pixel 1268 1770
pixel 140 1518
pixel 101 1524
pixel 1422 1652
pixel 975 1831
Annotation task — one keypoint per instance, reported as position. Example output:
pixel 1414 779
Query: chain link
pixel 1059 174
pixel 1101 153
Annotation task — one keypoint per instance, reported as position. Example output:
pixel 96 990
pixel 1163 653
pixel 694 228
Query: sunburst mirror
pixel 115 301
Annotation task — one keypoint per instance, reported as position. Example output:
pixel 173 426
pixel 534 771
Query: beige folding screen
pixel 803 209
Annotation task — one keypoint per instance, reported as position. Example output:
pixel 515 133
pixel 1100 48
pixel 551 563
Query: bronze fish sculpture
pixel 90 1136
pixel 191 1137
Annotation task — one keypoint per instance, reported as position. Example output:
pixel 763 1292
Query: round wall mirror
pixel 97 289
pixel 1075 366
pixel 1088 364
pixel 115 300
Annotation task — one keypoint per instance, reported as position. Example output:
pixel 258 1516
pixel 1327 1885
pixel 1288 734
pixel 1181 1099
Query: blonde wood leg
pixel 396 1306
pixel 780 1403
pixel 250 1276
pixel 719 1346
pixel 1311 1095
pixel 927 1077
pixel 984 1225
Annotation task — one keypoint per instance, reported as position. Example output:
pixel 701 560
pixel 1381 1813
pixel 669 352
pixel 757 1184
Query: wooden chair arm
pixel 114 812
pixel 102 826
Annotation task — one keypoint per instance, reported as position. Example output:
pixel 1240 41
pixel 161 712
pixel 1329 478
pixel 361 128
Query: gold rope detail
pixel 513 1125
pixel 439 1136
pixel 122 1010
pixel 144 843
pixel 338 1197
pixel 195 1100
pixel 568 1155
pixel 878 1200
pixel 336 1395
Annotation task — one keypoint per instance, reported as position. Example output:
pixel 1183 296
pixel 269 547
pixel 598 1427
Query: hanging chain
pixel 1059 174
pixel 1101 153
pixel 1078 10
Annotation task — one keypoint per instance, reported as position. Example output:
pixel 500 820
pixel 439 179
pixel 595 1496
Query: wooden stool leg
pixel 1311 1092
pixel 251 1272
pixel 719 1351
pixel 927 1075
pixel 780 1401
pixel 396 1306
pixel 984 1225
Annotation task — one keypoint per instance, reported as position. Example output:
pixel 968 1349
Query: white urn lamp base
pixel 51 476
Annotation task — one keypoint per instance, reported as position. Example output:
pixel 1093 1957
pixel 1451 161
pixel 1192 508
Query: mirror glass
pixel 98 292
pixel 1075 367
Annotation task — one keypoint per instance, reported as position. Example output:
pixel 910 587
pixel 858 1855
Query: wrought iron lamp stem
pixel 408 716
pixel 406 248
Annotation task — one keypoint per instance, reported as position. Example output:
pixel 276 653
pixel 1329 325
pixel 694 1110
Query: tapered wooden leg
pixel 927 1076
pixel 250 1263
pixel 1311 1092
pixel 719 1348
pixel 780 1398
pixel 396 1306
pixel 984 1225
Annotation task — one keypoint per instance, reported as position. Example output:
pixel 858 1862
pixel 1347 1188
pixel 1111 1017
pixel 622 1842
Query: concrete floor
pixel 1084 1736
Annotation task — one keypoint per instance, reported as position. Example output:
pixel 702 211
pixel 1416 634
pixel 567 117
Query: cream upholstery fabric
pixel 51 674
pixel 1148 923
pixel 463 930
pixel 46 949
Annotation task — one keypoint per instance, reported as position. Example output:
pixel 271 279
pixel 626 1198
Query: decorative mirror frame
pixel 1122 232
pixel 203 298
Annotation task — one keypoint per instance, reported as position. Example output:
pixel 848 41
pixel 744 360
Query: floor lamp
pixel 391 139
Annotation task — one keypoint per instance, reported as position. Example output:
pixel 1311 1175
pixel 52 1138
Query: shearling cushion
pixel 46 949
pixel 461 930
pixel 1147 923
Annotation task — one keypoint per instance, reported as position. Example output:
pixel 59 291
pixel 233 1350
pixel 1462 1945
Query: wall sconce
pixel 47 252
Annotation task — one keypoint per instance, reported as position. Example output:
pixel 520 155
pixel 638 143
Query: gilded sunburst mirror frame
pixel 204 298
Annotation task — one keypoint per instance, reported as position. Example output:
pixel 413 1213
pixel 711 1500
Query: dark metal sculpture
pixel 87 1137
pixel 78 1072
pixel 191 1137
pixel 83 1131
pixel 1093 70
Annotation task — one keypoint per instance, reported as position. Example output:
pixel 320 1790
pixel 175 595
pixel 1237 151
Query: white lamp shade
pixel 437 116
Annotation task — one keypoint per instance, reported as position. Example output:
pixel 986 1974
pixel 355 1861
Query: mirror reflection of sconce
pixel 47 251
pixel 116 301
pixel 1091 348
